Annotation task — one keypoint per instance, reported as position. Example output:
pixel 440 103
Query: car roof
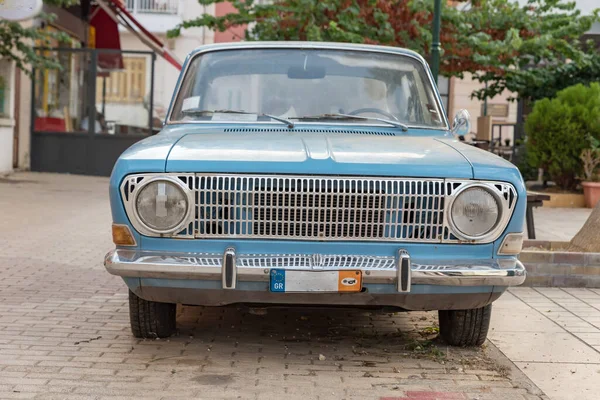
pixel 306 45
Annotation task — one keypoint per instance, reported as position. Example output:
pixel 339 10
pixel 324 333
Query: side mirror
pixel 462 123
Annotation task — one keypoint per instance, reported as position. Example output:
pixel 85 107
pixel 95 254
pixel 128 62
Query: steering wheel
pixel 374 110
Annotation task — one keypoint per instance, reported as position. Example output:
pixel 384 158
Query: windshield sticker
pixel 234 117
pixel 190 103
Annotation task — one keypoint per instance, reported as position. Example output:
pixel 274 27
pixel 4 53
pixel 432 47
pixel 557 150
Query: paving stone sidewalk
pixel 559 224
pixel 64 329
pixel 553 336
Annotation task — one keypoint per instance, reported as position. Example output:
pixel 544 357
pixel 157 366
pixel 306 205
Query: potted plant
pixel 591 184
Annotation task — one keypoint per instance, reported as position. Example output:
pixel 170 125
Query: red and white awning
pixel 108 39
pixel 118 13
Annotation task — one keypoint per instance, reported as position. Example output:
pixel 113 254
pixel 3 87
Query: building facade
pixel 158 17
pixel 57 103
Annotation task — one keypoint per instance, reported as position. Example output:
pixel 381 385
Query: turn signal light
pixel 512 244
pixel 122 235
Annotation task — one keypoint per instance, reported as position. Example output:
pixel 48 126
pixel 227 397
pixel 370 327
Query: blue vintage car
pixel 314 174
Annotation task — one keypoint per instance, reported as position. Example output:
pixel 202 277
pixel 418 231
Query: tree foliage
pixel 17 39
pixel 558 130
pixel 495 40
pixel 545 81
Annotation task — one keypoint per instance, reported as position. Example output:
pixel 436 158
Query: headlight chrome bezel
pixel 144 228
pixel 504 211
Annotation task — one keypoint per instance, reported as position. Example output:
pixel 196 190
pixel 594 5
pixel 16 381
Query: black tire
pixel 150 319
pixel 465 327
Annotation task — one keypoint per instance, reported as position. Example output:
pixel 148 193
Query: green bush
pixel 558 129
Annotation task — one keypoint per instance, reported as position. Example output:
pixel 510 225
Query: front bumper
pixel 256 268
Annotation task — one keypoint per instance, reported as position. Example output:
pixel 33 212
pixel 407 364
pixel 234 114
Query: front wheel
pixel 465 327
pixel 150 319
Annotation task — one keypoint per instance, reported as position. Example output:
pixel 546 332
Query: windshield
pixel 307 85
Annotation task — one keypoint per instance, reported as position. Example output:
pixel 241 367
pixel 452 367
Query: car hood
pixel 320 152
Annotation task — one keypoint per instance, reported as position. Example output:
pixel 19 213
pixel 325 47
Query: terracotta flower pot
pixel 591 192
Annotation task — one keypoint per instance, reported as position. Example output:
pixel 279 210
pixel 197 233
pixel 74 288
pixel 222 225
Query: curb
pixel 516 375
pixel 548 265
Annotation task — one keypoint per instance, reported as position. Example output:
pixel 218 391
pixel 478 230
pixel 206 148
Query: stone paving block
pixel 65 396
pixel 569 258
pixel 19 395
pixel 23 381
pixel 41 389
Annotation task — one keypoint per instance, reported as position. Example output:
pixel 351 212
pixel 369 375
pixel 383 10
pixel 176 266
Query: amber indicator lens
pixel 122 235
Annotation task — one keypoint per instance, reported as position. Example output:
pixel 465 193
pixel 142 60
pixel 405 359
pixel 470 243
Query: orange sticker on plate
pixel 349 281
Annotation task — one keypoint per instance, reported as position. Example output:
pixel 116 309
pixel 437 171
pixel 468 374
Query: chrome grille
pixel 286 261
pixel 319 208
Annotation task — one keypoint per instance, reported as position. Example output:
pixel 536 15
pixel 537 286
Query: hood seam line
pixel 459 152
pixel 171 149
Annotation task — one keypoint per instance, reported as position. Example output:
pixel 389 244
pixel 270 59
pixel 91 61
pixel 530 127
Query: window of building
pixel 127 86
pixel 59 100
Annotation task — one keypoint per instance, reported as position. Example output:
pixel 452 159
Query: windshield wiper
pixel 289 123
pixel 340 116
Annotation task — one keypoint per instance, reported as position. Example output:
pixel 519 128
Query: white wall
pixel 6 146
pixel 166 75
pixel 462 89
pixel 7 123
pixel 24 117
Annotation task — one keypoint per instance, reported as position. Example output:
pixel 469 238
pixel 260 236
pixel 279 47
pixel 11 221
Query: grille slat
pixel 303 261
pixel 319 208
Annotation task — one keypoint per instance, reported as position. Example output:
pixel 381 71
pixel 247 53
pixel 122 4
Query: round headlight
pixel 161 205
pixel 475 212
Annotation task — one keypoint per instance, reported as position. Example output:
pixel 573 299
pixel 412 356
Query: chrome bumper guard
pixel 399 270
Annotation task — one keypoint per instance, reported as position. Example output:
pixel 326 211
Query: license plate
pixel 315 281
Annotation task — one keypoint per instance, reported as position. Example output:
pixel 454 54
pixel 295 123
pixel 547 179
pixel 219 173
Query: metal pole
pixel 151 99
pixel 104 96
pixel 32 118
pixel 91 157
pixel 436 45
pixel 485 101
pixel 93 71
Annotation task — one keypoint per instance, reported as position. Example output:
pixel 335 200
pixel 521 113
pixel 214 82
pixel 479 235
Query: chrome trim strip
pixel 470 274
pixel 303 46
pixel 131 263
